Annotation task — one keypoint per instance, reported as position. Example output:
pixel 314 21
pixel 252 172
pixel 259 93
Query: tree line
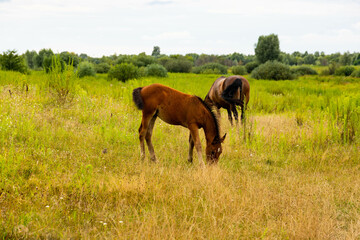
pixel 266 49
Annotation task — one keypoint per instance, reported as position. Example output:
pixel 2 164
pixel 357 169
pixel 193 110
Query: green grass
pixel 72 169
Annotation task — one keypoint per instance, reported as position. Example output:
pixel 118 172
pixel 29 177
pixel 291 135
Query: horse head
pixel 214 150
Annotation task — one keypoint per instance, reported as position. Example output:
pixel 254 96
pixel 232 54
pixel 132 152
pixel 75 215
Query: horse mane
pixel 216 121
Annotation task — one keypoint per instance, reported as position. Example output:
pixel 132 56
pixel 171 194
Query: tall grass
pixel 74 170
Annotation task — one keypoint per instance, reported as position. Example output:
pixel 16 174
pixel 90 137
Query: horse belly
pixel 169 116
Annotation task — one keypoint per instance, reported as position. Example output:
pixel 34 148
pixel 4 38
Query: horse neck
pixel 210 128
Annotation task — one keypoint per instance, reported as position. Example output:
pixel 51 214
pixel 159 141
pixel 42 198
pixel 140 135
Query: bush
pixel 102 67
pixel 273 70
pixel 123 72
pixel 238 70
pixel 156 70
pixel 178 65
pixel 11 61
pixel 251 66
pixel 303 70
pixel 86 69
pixel 62 80
pixel 344 71
pixel 356 73
pixel 216 68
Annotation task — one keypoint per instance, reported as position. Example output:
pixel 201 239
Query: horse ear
pixel 223 138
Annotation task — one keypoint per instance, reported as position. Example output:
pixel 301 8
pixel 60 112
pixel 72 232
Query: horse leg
pixel 143 131
pixel 194 131
pixel 229 116
pixel 148 138
pixel 236 115
pixel 242 112
pixel 191 148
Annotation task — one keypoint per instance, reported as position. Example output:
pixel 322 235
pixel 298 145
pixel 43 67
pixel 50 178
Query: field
pixel 70 165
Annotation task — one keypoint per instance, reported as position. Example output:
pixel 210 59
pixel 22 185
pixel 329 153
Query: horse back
pixel 170 105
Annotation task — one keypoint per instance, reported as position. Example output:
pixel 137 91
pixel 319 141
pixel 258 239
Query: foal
pixel 177 108
pixel 227 92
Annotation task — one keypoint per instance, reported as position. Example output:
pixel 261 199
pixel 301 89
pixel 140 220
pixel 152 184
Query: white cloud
pixel 169 36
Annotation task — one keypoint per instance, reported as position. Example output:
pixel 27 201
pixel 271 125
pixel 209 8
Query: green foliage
pixel 61 80
pixel 179 64
pixel 267 48
pixel 44 55
pixel 210 68
pixel 156 51
pixel 86 69
pixel 156 70
pixel 102 67
pixel 250 66
pixel 70 58
pixel 344 71
pixel 303 70
pixel 123 72
pixel 356 73
pixel 11 61
pixel 30 58
pixel 273 70
pixel 238 70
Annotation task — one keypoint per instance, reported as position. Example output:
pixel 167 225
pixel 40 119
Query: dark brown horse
pixel 177 108
pixel 227 92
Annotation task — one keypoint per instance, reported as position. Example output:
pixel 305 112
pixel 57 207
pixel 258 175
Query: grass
pixel 73 169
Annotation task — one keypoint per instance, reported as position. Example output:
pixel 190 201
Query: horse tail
pixel 137 98
pixel 229 92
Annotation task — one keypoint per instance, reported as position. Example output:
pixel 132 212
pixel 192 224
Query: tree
pixel 43 54
pixel 30 58
pixel 267 48
pixel 11 61
pixel 156 51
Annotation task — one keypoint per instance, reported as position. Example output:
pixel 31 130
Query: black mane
pixel 216 121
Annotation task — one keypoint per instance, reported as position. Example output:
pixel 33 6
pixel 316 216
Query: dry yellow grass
pixel 285 181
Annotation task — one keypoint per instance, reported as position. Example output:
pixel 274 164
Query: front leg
pixel 194 131
pixel 191 148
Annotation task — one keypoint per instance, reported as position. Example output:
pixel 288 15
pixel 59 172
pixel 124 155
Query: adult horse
pixel 227 92
pixel 177 108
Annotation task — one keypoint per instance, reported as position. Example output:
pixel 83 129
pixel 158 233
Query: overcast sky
pixel 109 27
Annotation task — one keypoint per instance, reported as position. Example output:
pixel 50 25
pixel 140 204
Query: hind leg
pixel 148 138
pixel 229 116
pixel 145 121
pixel 235 112
pixel 242 112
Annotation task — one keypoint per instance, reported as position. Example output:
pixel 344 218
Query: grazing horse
pixel 227 92
pixel 178 108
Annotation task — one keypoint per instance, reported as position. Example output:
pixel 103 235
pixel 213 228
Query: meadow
pixel 70 166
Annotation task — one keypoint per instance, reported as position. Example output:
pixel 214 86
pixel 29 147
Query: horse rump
pixel 229 92
pixel 137 98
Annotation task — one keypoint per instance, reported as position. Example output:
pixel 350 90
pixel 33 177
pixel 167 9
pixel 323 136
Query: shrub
pixel 10 60
pixel 102 67
pixel 179 65
pixel 356 73
pixel 123 72
pixel 344 71
pixel 273 70
pixel 61 80
pixel 216 68
pixel 156 70
pixel 251 66
pixel 238 70
pixel 86 69
pixel 303 70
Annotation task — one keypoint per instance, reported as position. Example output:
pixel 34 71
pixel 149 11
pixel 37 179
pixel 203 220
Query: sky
pixel 106 27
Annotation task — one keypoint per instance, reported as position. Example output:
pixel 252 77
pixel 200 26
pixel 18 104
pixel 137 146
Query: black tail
pixel 137 98
pixel 229 92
